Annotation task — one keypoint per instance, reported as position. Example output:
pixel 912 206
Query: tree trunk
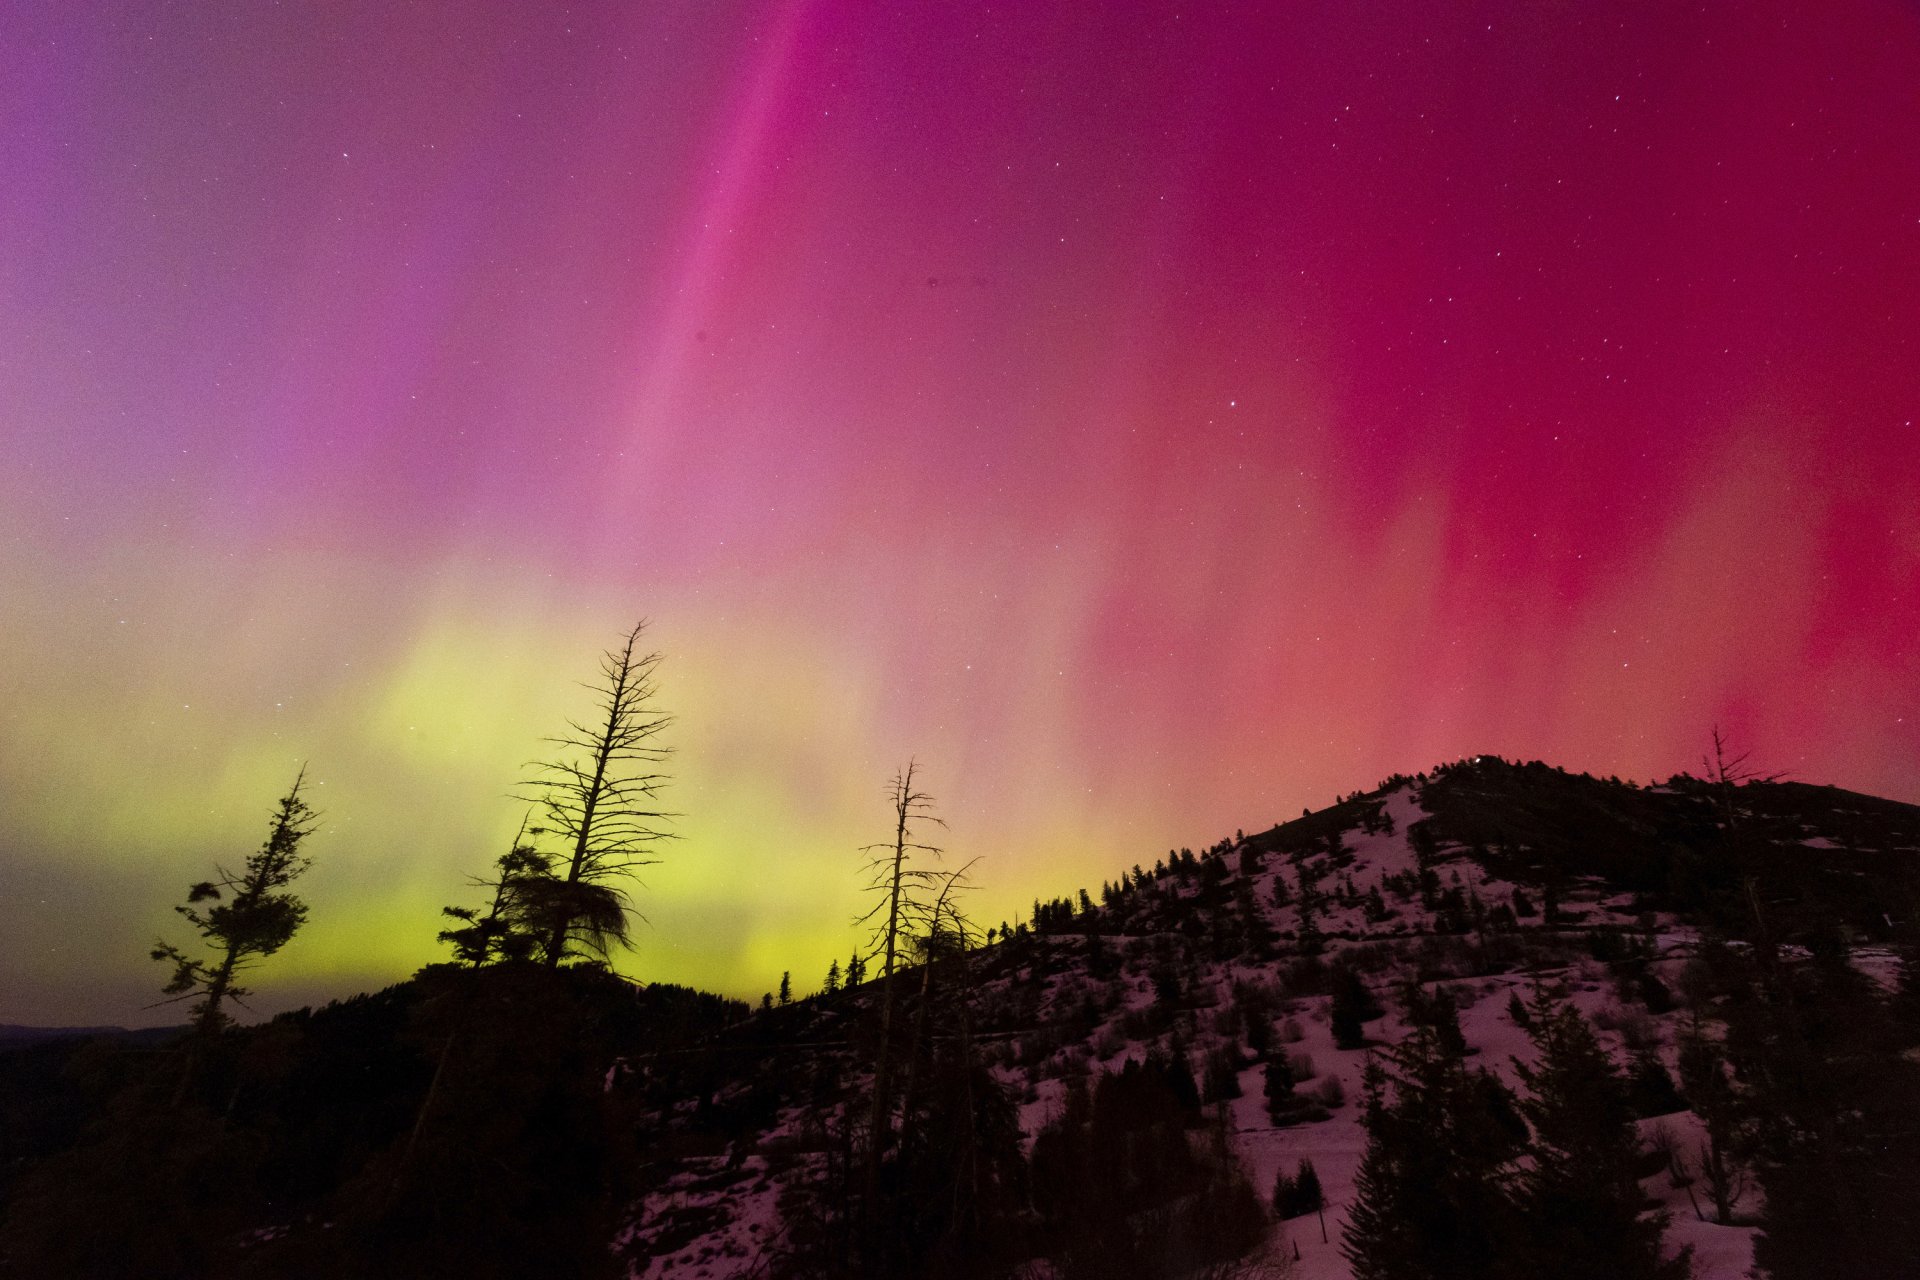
pixel 916 1044
pixel 880 1118
pixel 207 1020
pixel 557 940
pixel 1719 1182
pixel 590 800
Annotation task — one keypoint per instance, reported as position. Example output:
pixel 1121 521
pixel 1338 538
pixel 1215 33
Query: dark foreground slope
pixel 457 1124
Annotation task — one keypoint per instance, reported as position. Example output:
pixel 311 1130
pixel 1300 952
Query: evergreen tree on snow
pixel 1434 1197
pixel 1581 1197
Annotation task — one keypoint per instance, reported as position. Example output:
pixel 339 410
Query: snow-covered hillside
pixel 1226 956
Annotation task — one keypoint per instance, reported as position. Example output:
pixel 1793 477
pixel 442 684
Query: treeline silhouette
pixel 503 1113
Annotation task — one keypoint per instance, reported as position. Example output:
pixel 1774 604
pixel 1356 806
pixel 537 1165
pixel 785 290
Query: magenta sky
pixel 1157 418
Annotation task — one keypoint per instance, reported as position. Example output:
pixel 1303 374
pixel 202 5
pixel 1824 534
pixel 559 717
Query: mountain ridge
pixel 1483 876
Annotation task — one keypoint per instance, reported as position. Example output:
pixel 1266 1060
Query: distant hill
pixel 13 1035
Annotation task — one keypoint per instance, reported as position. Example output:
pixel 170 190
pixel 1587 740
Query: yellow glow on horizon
pixel 416 736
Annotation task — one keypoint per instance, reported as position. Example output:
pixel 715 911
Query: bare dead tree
pixel 1727 773
pixel 948 935
pixel 1704 1075
pixel 599 797
pixel 904 901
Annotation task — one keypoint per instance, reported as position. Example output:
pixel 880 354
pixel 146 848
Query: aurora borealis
pixel 1156 419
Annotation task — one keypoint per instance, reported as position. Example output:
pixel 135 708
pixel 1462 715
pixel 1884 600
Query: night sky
pixel 1154 418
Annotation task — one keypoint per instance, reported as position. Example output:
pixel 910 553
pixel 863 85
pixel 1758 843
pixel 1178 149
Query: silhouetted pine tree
pixel 1099 956
pixel 1222 1080
pixel 1256 934
pixel 1278 1084
pixel 253 915
pixel 1835 1109
pixel 1178 1074
pixel 508 930
pixel 1351 1008
pixel 1121 1189
pixel 1299 1194
pixel 1308 938
pixel 1650 1087
pixel 1434 1194
pixel 1581 1199
pixel 1436 1012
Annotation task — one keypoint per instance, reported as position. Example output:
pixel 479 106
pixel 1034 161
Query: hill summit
pixel 1484 883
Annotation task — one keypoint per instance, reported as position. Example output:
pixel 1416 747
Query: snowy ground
pixel 727 1210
